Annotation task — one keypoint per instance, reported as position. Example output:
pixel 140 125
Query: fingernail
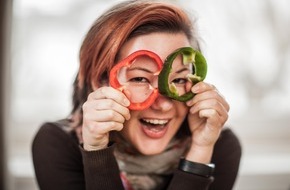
pixel 126 102
pixel 128 116
pixel 189 103
pixel 195 89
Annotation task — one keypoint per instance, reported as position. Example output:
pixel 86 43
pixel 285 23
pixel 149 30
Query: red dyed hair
pixel 99 51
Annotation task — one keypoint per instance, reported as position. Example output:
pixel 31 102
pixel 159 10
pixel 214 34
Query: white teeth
pixel 156 121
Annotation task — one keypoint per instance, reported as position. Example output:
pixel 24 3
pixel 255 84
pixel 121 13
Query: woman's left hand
pixel 208 113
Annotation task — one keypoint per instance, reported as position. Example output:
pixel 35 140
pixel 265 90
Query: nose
pixel 162 103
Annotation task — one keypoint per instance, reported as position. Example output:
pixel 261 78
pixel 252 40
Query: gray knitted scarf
pixel 141 172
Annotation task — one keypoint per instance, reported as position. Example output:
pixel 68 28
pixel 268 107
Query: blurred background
pixel 247 46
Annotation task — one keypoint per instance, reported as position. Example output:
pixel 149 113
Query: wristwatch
pixel 205 170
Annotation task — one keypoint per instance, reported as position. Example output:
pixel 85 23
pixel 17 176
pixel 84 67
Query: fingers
pixel 206 91
pixel 110 93
pixel 210 107
pixel 209 103
pixel 201 87
pixel 105 110
pixel 214 121
pixel 108 102
pixel 104 127
pixel 104 115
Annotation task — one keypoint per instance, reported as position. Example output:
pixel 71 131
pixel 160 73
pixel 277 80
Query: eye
pixel 179 81
pixel 139 80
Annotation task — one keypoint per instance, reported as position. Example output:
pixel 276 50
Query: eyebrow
pixel 140 68
pixel 181 70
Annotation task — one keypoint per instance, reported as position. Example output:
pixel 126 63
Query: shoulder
pixel 229 136
pixel 52 129
pixel 228 146
pixel 54 136
pixel 57 158
pixel 226 157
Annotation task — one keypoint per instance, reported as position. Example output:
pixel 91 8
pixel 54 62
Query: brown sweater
pixel 61 163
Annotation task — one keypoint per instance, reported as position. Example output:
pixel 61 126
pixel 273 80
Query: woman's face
pixel 150 130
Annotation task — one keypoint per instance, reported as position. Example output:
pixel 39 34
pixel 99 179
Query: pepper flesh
pixel 190 56
pixel 114 82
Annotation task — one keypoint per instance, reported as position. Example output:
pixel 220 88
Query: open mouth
pixel 154 121
pixel 154 128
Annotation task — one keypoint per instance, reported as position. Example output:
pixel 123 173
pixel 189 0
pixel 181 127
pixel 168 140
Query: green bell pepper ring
pixel 189 56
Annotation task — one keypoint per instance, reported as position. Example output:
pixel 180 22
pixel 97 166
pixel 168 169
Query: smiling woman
pixel 107 144
pixel 162 108
pixel 46 36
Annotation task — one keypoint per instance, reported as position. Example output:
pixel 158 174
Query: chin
pixel 151 148
pixel 150 152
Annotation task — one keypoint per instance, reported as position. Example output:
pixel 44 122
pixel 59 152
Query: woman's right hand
pixel 105 110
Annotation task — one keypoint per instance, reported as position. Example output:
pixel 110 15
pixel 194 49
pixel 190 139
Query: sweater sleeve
pixel 186 181
pixel 226 157
pixel 101 169
pixel 57 160
pixel 61 164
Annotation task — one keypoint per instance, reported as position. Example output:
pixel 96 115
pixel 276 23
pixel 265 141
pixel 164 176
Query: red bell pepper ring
pixel 114 82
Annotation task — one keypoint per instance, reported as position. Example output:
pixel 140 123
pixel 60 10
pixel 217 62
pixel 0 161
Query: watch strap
pixel 205 170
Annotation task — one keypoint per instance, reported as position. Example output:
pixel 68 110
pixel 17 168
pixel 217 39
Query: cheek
pixel 181 109
pixel 130 126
